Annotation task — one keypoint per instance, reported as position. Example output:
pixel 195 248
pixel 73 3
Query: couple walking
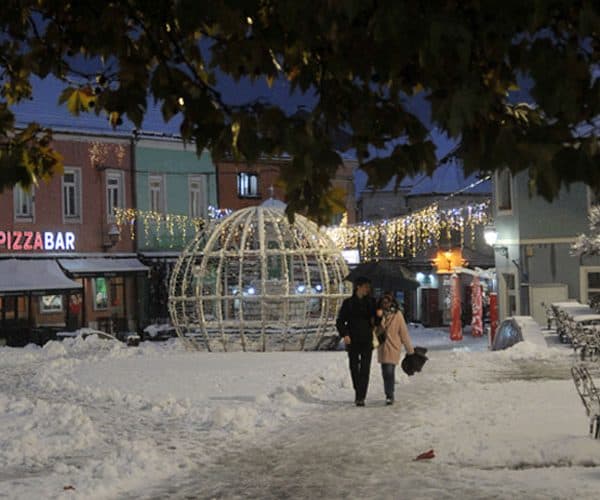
pixel 358 317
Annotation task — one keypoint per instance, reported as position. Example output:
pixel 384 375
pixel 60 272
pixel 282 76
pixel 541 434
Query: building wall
pixel 551 263
pixel 568 211
pixel 344 179
pixel 377 205
pixel 176 164
pixel 538 235
pixel 269 186
pixel 91 155
pixel 268 176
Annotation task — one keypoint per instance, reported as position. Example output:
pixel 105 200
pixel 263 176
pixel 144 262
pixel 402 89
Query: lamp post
pixel 490 235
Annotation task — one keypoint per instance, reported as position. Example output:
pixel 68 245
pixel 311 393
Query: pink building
pixel 64 263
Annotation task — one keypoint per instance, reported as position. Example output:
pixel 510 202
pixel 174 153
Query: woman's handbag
pixel 375 339
pixel 378 336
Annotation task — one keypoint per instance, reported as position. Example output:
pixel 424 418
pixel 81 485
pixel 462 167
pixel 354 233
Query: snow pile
pixel 104 420
pixel 32 432
pixel 532 350
pixel 127 468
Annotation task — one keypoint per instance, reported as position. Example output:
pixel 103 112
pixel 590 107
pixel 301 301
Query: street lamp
pixel 113 237
pixel 448 255
pixel 490 234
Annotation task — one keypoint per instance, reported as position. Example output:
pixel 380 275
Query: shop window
pixel 504 190
pixel 51 303
pixel 197 196
pixel 115 196
pixel 100 294
pixel 71 184
pixel 157 193
pixel 247 185
pixel 23 203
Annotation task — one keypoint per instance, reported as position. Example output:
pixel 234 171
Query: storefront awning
pixel 160 256
pixel 39 277
pixel 102 266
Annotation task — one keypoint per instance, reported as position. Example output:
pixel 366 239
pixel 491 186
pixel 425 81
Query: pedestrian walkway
pixel 439 338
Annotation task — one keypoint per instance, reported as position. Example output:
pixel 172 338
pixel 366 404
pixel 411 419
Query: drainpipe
pixel 136 278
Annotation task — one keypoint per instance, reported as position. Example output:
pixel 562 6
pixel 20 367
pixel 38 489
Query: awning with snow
pixel 38 277
pixel 102 266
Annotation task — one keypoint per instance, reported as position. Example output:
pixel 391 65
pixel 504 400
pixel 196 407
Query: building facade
pixel 242 185
pixel 174 189
pixel 533 255
pixel 66 229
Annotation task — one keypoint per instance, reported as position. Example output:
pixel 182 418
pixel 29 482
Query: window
pixel 589 283
pixel 100 294
pixel 72 195
pixel 504 190
pixel 23 203
pixel 51 303
pixel 197 196
pixel 114 193
pixel 157 193
pixel 247 185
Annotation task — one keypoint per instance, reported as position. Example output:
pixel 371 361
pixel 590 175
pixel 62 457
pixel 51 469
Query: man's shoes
pixel 360 402
pixel 389 401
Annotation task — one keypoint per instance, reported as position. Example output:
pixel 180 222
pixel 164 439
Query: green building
pixel 174 188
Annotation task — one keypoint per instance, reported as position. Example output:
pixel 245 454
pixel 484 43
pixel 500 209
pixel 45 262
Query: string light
pixel 403 236
pixel 407 235
pixel 100 153
pixel 173 230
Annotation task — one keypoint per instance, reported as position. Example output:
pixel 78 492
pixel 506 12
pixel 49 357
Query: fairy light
pixel 170 229
pixel 100 153
pixel 403 236
pixel 407 235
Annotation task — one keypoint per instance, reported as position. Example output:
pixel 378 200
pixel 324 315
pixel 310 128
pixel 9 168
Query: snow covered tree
pixel 589 244
pixel 375 77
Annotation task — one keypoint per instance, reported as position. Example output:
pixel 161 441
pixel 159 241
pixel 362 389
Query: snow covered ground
pixel 96 419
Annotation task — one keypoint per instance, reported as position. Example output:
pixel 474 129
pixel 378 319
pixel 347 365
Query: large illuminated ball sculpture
pixel 255 282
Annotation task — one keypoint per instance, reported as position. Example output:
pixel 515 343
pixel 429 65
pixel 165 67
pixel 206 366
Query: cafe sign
pixel 28 241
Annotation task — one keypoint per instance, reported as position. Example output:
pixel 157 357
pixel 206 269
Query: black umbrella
pixel 384 274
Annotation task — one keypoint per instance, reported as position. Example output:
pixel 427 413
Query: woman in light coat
pixel 396 335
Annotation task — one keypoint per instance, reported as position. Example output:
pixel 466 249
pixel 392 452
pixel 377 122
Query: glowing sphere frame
pixel 255 282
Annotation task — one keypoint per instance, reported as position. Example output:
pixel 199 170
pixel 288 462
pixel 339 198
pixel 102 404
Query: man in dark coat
pixel 355 324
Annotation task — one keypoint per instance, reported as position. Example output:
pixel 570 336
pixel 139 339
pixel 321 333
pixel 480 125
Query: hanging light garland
pixel 402 236
pixel 172 230
pixel 407 235
pixel 99 153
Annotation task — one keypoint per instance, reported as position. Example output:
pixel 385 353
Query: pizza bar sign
pixel 27 241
